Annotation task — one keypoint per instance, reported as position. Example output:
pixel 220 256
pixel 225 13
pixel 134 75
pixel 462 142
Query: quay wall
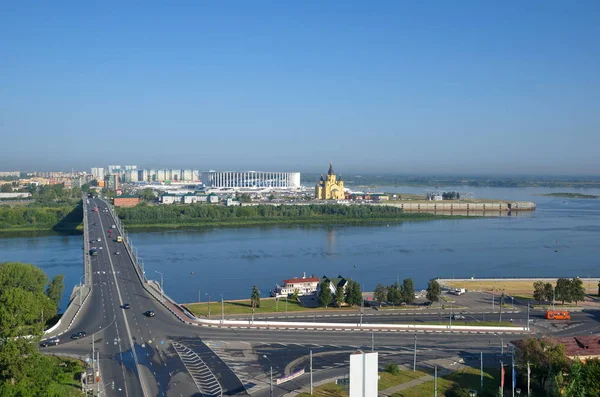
pixel 460 207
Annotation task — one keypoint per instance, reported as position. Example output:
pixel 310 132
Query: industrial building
pixel 251 179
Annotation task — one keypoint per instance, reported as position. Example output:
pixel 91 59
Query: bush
pixel 392 369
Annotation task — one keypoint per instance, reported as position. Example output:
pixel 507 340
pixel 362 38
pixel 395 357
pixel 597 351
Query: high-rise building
pixel 113 182
pixel 130 167
pixel 98 172
pixel 142 175
pixel 195 175
pixel 114 169
pixel 161 175
pixel 131 175
pixel 186 175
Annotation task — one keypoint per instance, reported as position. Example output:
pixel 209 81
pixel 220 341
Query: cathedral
pixel 330 188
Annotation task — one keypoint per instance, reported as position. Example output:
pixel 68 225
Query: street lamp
pixel 271 368
pixel 222 310
pixel 208 304
pixel 162 299
pixel 518 391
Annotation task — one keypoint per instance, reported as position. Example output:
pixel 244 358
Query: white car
pixel 99 239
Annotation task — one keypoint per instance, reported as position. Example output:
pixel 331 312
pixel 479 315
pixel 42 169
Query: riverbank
pixel 63 219
pixel 203 215
pixel 570 195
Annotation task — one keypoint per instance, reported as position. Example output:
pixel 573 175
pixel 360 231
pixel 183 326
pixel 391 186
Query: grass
pixel 67 374
pixel 326 390
pixel 467 377
pixel 447 299
pixel 387 380
pixel 511 287
pixel 267 305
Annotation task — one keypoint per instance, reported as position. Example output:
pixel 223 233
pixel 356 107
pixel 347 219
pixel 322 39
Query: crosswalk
pixel 203 377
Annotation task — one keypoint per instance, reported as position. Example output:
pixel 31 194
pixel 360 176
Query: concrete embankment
pixel 501 206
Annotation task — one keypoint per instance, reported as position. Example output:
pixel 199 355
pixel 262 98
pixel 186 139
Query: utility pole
pixel 372 341
pixel 528 380
pixel 501 379
pixel 222 310
pixel 481 372
pixel 209 306
pixel 527 316
pixel 512 375
pixel 493 309
pixel 435 382
pixel 415 357
pixel 311 378
pixel 450 314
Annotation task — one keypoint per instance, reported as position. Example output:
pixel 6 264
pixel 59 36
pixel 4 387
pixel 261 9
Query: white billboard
pixel 363 374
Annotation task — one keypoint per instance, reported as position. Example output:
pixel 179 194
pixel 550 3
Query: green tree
pixel 6 188
pixel 577 290
pixel 407 291
pixel 244 198
pixel 433 291
pixel 591 375
pixel 538 291
pixel 545 355
pixel 394 295
pixel 548 292
pixel 392 368
pixel 563 290
pixel 339 296
pixel 324 295
pixel 380 293
pixel 55 289
pixel 147 194
pixel 598 288
pixel 575 385
pixel 353 293
pixel 255 297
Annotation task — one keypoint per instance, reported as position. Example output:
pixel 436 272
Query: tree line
pixel 28 300
pixel 565 290
pixel 397 294
pixel 350 294
pixel 197 213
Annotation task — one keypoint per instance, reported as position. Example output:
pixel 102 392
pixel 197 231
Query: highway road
pixel 158 356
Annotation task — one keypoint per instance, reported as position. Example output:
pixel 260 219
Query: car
pixel 109 230
pixel 458 317
pixel 149 313
pixel 126 306
pixel 117 253
pixel 114 226
pixel 50 342
pixel 100 247
pixel 98 239
pixel 79 335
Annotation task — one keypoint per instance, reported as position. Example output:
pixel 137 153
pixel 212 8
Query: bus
pixel 558 315
pixel 119 239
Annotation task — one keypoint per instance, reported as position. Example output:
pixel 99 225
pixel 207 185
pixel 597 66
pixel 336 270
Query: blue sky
pixel 391 86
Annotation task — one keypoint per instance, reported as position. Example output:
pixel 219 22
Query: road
pixel 138 358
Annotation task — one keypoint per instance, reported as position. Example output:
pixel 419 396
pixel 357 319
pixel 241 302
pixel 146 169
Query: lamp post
pixel 162 299
pixel 222 310
pixel 271 370
pixel 208 304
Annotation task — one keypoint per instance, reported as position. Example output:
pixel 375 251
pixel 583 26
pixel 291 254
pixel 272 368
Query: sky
pixel 472 87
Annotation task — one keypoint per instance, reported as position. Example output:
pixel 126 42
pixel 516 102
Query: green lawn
pixel 387 380
pixel 326 390
pixel 467 377
pixel 267 305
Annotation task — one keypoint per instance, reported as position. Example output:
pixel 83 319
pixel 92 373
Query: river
pixel 561 238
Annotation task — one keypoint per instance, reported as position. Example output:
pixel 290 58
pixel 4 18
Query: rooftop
pixel 586 345
pixel 302 280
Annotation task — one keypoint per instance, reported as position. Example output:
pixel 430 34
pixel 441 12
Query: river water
pixel 561 238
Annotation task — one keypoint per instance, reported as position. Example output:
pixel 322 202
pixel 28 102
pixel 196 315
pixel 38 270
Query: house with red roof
pixel 301 285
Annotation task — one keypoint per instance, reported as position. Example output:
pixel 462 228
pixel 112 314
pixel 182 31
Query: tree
pixel 147 194
pixel 538 291
pixel 380 293
pixel 577 290
pixel 339 296
pixel 548 292
pixel 563 290
pixel 407 291
pixel 244 198
pixel 255 297
pixel 545 355
pixel 353 293
pixel 394 295
pixel 433 291
pixel 598 288
pixel 54 290
pixel 324 296
pixel 575 386
pixel 6 188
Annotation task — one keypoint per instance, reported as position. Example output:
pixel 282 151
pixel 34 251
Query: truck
pixel 558 315
pixel 119 239
pixel 459 291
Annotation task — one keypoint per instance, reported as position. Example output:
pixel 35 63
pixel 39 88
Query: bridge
pixel 176 354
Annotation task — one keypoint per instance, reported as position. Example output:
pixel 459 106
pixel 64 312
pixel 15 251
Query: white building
pixel 186 175
pixel 131 175
pixel 98 172
pixel 251 179
pixel 304 285
pixel 169 198
pixel 114 169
